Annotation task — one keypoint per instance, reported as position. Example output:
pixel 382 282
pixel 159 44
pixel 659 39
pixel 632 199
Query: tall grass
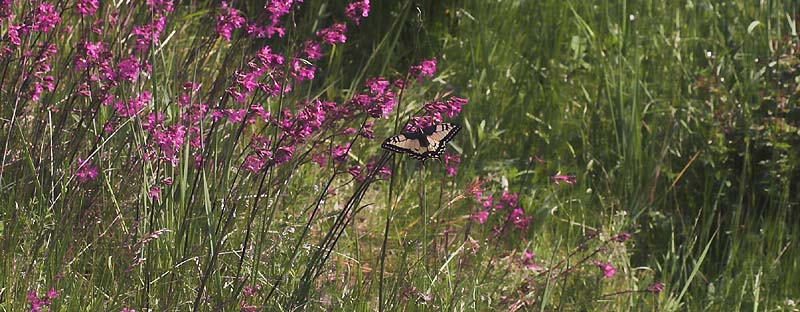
pixel 651 144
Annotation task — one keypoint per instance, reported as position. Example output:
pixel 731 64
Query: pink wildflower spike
pixel 129 68
pixel 334 34
pixel 86 171
pixel 228 20
pixel 87 7
pixel 517 217
pixel 354 170
pixel 311 50
pixel 283 154
pixel 608 269
pixel 154 194
pixel 425 69
pixel 451 164
pixel 52 294
pixel 480 216
pixel 357 10
pixel 254 163
pixel 45 18
pixel 568 179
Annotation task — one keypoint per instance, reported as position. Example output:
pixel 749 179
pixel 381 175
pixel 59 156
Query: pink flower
pixel 311 50
pixel 134 106
pixel 160 6
pixel 424 69
pixel 128 310
pixel 45 18
pixel 302 71
pixel 509 199
pixel 655 288
pixel 451 164
pixel 333 34
pixel 52 294
pixel 568 179
pixel 154 194
pixel 283 154
pixel 86 171
pixel 481 216
pixel 517 217
pixel 129 68
pixel 621 237
pixel 354 170
pixel 228 20
pixel 527 261
pixel 357 10
pixel 608 269
pixel 366 130
pixel 254 163
pixel 87 7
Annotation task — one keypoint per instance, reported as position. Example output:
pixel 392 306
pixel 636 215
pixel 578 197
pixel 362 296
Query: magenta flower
pixel 424 69
pixel 354 170
pixel 302 71
pixel 621 237
pixel 87 7
pixel 451 164
pixel 527 261
pixel 608 269
pixel 86 171
pixel 366 130
pixel 312 50
pixel 283 154
pixel 333 34
pixel 655 288
pixel 340 152
pixel 377 85
pixel 134 106
pixel 128 310
pixel 160 6
pixel 254 163
pixel 154 193
pixel 148 34
pixel 481 216
pixel 568 179
pixel 45 18
pixel 228 20
pixel 517 216
pixel 357 10
pixel 129 68
pixel 319 160
pixel 39 303
pixel 509 199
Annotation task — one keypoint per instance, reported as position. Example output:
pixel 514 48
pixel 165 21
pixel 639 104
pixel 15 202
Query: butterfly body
pixel 425 143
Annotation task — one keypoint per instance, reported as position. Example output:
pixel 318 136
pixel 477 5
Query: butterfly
pixel 425 143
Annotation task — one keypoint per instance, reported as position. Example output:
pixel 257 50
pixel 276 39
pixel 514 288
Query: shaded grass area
pixel 678 121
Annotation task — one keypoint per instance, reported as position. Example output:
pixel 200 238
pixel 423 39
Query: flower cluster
pixel 38 303
pixel 357 10
pixel 509 202
pixel 86 171
pixel 228 20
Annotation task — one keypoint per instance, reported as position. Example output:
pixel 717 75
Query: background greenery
pixel 679 120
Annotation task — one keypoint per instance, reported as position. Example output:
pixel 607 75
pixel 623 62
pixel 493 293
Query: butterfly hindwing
pixel 430 142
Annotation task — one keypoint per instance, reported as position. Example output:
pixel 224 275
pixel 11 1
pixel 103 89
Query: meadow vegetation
pixel 225 156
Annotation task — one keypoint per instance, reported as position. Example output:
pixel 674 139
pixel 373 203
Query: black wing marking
pixel 436 137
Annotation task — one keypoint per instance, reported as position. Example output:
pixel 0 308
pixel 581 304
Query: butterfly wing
pixel 405 144
pixel 436 136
